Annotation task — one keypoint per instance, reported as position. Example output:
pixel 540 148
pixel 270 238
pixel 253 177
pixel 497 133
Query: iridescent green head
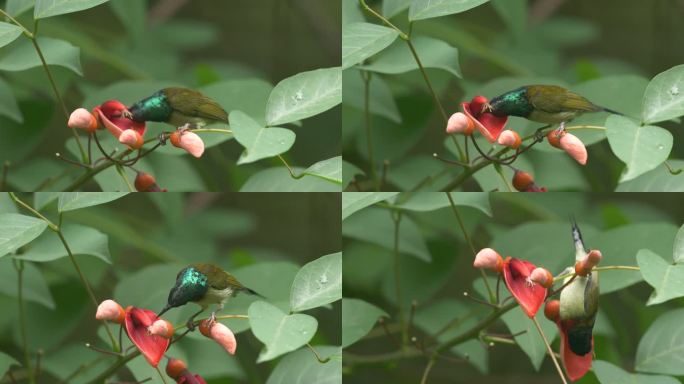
pixel 153 108
pixel 513 103
pixel 191 285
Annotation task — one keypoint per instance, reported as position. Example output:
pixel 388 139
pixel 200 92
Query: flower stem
pixel 396 217
pixel 318 357
pixel 19 266
pixel 599 269
pixel 22 204
pixel 122 173
pixel 160 374
pixel 369 138
pixel 492 296
pixel 34 40
pixel 428 368
pixel 548 348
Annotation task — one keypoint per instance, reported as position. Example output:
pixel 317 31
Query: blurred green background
pixel 623 318
pixel 550 41
pixel 151 44
pixel 263 239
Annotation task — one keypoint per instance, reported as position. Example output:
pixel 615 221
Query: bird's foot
pixel 127 114
pixel 561 127
pixel 212 318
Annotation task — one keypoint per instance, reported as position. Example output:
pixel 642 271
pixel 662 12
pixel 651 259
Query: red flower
pixel 111 116
pixel 575 365
pixel 490 126
pixel 529 295
pixel 151 346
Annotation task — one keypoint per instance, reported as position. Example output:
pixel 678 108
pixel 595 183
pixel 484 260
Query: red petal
pixel 530 297
pixel 490 126
pixel 575 366
pixel 111 116
pixel 151 346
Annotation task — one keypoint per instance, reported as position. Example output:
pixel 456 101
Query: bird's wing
pixel 194 104
pixel 554 99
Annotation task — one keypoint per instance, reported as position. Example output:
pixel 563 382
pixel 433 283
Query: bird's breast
pixel 551 118
pixel 215 296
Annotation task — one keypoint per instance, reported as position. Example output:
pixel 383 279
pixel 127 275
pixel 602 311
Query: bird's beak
pixel 486 108
pixel 166 308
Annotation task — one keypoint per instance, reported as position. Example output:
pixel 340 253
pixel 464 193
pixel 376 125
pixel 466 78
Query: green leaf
pixel 42 199
pixel 554 253
pixel 318 283
pixel 260 142
pixel 431 201
pixel 678 247
pixel 5 362
pixel 8 33
pixel 425 9
pixel 666 278
pixel 620 246
pixel 304 95
pixel 356 201
pixel 608 373
pixel 381 101
pixel 278 179
pixel 441 315
pixel 82 241
pixel 300 368
pixel 17 230
pixel 641 148
pixel 279 332
pixel 530 341
pixel 68 201
pixel 657 180
pixel 8 104
pixel 363 40
pixel 358 318
pixel 376 226
pixel 513 13
pixel 661 349
pixel 349 170
pixel 17 7
pixel 62 364
pixel 330 170
pixel 34 287
pixel 664 97
pixel 351 12
pixel 23 55
pixel 433 53
pixel 391 8
pixel 48 8
pixel 132 14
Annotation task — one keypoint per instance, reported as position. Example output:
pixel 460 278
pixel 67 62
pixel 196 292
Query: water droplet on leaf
pixel 323 279
pixel 674 90
pixel 299 96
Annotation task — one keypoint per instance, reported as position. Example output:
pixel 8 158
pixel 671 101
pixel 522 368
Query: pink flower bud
pixel 574 147
pixel 489 259
pixel 509 138
pixel 220 333
pixel 110 310
pixel 594 258
pixel 131 138
pixel 460 123
pixel 111 127
pixel 82 119
pixel 161 328
pixel 542 277
pixel 189 141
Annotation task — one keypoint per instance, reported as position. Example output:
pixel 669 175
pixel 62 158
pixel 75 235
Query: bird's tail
pixel 612 111
pixel 252 292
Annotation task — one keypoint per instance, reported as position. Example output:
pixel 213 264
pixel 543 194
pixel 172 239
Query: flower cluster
pixel 529 286
pixel 152 336
pixel 492 127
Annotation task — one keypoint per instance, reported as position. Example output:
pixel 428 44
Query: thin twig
pixel 318 357
pixel 428 368
pixel 19 267
pixel 548 348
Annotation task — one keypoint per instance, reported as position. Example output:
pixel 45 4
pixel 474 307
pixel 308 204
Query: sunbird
pixel 180 107
pixel 203 284
pixel 579 303
pixel 548 104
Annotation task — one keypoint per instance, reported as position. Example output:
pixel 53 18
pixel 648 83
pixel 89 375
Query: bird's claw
pixel 127 114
